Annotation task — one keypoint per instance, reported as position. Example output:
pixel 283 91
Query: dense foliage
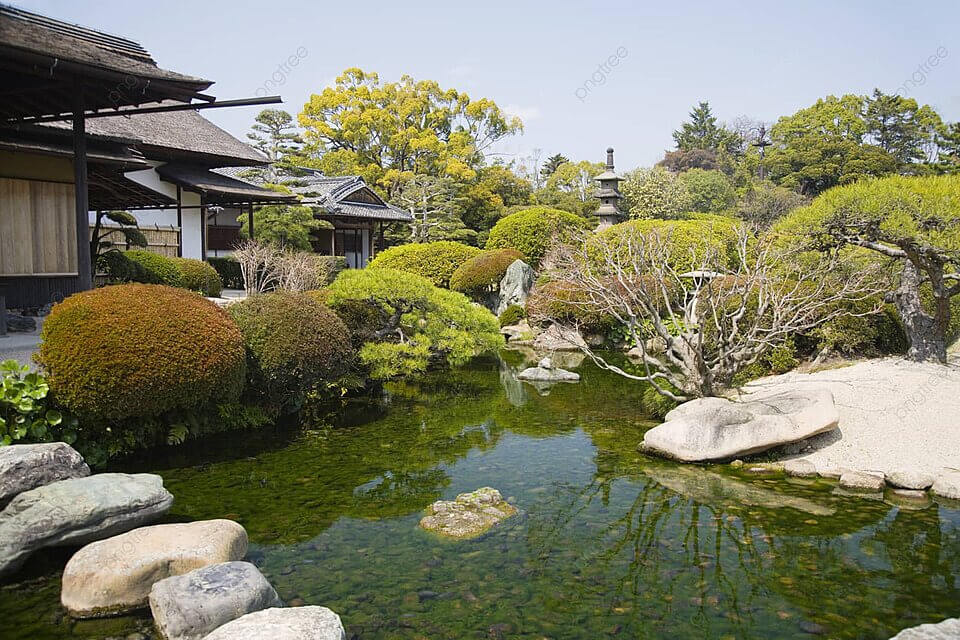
pixel 531 231
pixel 483 272
pixel 155 268
pixel 435 261
pixel 25 410
pixel 512 315
pixel 690 239
pixel 229 271
pixel 197 275
pixel 294 345
pixel 286 226
pixel 403 324
pixel 139 350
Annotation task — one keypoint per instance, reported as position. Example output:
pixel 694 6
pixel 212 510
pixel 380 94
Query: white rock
pixel 295 623
pixel 717 428
pixel 558 338
pixel 799 468
pixel 540 374
pixel 28 466
pixel 115 575
pixel 948 484
pixel 948 629
pixel 909 479
pixel 862 481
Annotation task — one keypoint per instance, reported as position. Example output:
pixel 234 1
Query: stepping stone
pixel 865 481
pixel 115 575
pixel 189 606
pixel 28 466
pixel 295 623
pixel 800 468
pixel 78 511
pixel 948 484
pixel 904 479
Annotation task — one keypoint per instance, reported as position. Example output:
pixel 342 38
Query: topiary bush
pixel 139 351
pixel 294 345
pixel 197 275
pixel 229 271
pixel 435 261
pixel 564 302
pixel 119 269
pixel 483 273
pixel 532 230
pixel 512 315
pixel 690 239
pixel 157 269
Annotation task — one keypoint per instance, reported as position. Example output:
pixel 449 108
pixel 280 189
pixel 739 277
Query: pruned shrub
pixel 512 315
pixel 138 350
pixel 157 269
pixel 197 275
pixel 564 302
pixel 483 273
pixel 531 231
pixel 294 345
pixel 435 261
pixel 690 240
pixel 229 271
pixel 118 269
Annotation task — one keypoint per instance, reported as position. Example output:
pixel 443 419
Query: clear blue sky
pixel 761 59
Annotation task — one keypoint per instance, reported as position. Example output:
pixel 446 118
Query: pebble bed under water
pixel 608 543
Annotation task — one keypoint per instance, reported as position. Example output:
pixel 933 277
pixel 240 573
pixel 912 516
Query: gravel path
pixel 894 415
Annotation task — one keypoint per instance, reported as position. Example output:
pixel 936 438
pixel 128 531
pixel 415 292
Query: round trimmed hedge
pixel 156 269
pixel 483 271
pixel 140 350
pixel 689 240
pixel 197 275
pixel 435 261
pixel 294 344
pixel 532 230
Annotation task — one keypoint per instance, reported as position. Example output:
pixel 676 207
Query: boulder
pixel 546 372
pixel 78 511
pixel 189 606
pixel 949 629
pixel 717 428
pixel 866 481
pixel 517 332
pixel 515 286
pixel 559 338
pixel 295 623
pixel 17 323
pixel 947 484
pixel 28 466
pixel 799 468
pixel 907 479
pixel 115 575
pixel 469 515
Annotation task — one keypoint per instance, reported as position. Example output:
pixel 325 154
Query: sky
pixel 542 61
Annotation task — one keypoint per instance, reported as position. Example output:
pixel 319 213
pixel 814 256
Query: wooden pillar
pixel 382 244
pixel 3 316
pixel 250 219
pixel 84 264
pixel 333 241
pixel 203 228
pixel 179 222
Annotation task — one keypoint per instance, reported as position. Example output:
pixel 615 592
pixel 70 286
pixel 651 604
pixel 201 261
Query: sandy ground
pixel 894 415
pixel 21 346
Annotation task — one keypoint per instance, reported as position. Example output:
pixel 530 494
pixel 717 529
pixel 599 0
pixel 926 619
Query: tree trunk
pixel 924 333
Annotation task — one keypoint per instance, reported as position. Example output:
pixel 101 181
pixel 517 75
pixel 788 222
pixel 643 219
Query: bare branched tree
pixel 711 320
pixel 266 267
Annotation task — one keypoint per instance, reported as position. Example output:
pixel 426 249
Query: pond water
pixel 608 543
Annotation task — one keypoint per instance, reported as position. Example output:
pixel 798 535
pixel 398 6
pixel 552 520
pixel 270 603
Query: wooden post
pixel 3 316
pixel 250 219
pixel 382 245
pixel 179 222
pixel 84 264
pixel 203 228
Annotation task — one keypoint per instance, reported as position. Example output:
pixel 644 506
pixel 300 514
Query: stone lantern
pixel 609 195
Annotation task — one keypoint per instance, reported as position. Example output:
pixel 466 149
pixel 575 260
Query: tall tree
pixel 389 132
pixel 275 134
pixel 430 200
pixel 948 149
pixel 552 163
pixel 901 127
pixel 704 132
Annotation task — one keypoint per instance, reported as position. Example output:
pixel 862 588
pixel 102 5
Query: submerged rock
pixel 78 511
pixel 28 466
pixel 115 575
pixel 546 372
pixel 189 606
pixel 949 629
pixel 296 623
pixel 469 515
pixel 717 428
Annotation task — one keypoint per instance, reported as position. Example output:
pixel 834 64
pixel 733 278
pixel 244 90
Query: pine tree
pixel 275 134
pixel 703 132
pixel 552 163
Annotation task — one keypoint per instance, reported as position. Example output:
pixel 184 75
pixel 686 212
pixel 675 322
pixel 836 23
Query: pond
pixel 608 544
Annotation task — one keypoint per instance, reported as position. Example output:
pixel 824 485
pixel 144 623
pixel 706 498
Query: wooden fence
pixel 162 239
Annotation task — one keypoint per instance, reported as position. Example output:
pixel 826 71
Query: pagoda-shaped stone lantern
pixel 609 194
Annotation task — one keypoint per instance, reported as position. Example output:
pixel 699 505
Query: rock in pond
pixel 78 511
pixel 907 479
pixel 519 332
pixel 28 466
pixel 799 468
pixel 949 629
pixel 115 575
pixel 559 338
pixel 189 606
pixel 947 484
pixel 546 372
pixel 717 428
pixel 515 286
pixel 295 623
pixel 469 515
pixel 866 481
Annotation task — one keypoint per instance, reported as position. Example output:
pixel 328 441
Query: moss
pixel 435 261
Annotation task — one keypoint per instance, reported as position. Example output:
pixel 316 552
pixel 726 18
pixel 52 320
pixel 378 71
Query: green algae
pixel 608 542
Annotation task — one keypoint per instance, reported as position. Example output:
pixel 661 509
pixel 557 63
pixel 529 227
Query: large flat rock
pixel 28 466
pixel 949 629
pixel 717 428
pixel 115 575
pixel 469 515
pixel 78 511
pixel 296 623
pixel 189 606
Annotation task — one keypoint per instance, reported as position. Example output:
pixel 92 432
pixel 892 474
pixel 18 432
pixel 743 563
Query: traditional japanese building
pixel 609 195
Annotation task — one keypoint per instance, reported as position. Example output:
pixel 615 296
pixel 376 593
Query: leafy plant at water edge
pixel 24 408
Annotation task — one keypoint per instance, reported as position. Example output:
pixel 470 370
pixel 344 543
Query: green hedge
pixel 532 230
pixel 158 269
pixel 483 272
pixel 197 275
pixel 435 261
